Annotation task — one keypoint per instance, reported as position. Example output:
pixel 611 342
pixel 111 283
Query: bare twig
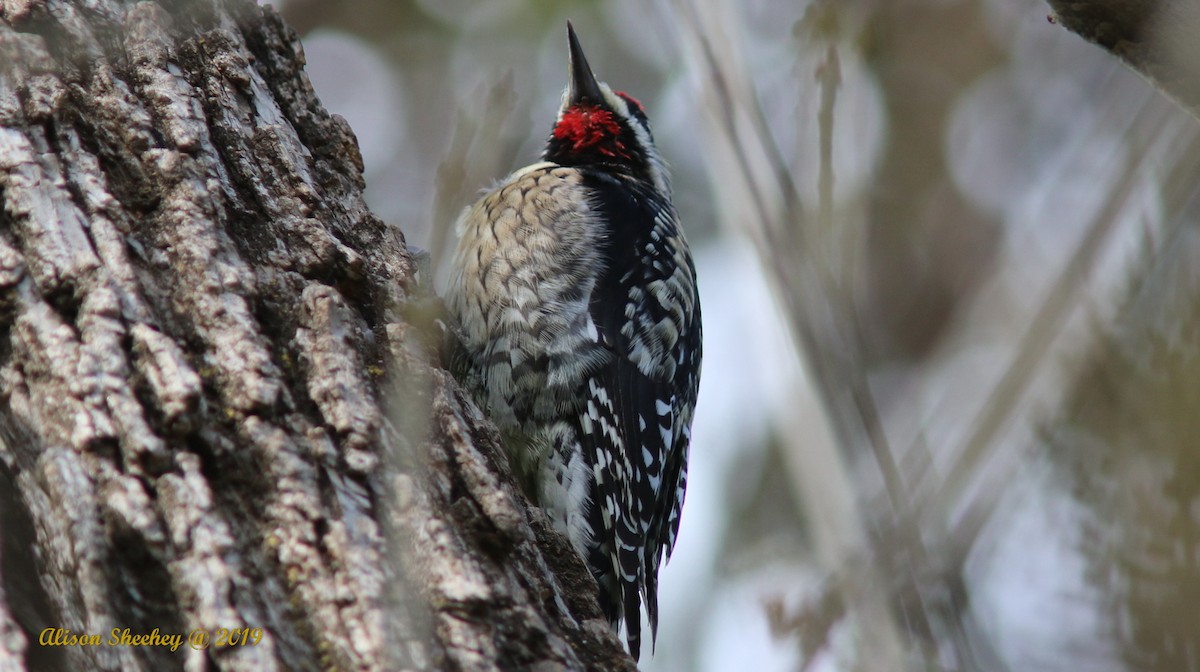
pixel 821 322
pixel 1045 325
pixel 1036 345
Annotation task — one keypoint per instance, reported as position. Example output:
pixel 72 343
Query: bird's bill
pixel 582 85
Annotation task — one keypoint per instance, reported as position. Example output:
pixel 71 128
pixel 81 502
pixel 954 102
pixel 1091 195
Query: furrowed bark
pixel 213 414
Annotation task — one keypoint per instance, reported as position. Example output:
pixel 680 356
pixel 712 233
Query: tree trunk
pixel 215 421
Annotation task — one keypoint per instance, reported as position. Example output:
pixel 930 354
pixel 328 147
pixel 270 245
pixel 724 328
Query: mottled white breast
pixel 527 261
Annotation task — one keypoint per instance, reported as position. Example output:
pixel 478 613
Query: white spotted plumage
pixel 575 298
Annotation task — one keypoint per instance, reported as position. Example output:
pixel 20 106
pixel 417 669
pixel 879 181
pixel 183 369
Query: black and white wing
pixel 636 427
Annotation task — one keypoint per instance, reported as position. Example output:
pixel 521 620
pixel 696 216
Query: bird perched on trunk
pixel 574 295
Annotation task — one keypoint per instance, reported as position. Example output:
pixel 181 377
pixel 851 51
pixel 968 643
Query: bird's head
pixel 599 126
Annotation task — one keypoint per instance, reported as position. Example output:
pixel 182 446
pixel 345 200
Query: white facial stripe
pixel 614 101
pixel 658 167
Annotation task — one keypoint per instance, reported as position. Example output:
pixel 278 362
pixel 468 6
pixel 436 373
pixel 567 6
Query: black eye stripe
pixel 637 114
pixel 636 109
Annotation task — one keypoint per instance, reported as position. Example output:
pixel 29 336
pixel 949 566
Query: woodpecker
pixel 574 296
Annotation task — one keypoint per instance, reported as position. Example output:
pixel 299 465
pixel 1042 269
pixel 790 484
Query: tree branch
pixel 1155 37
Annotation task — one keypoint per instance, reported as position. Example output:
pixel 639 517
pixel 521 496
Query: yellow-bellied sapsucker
pixel 574 294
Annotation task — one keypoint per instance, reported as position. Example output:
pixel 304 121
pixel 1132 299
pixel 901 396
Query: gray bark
pixel 213 413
